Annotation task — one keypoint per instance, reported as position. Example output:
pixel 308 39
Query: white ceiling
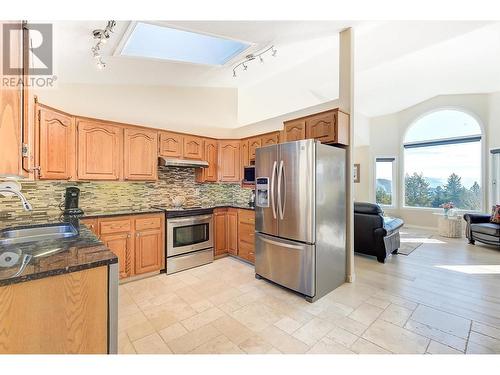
pixel 398 64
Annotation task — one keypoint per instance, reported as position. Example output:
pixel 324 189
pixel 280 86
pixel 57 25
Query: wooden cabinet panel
pixel 140 154
pixel 149 251
pixel 322 127
pixel 294 130
pixel 211 156
pixel 229 161
pixel 193 148
pixel 253 144
pixel 245 160
pixel 56 146
pixel 122 246
pixel 148 222
pixel 100 152
pixel 232 231
pixel 270 139
pixel 171 144
pixel 220 235
pixel 64 314
pixel 13 103
pixel 92 224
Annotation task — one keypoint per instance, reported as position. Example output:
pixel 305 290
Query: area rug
pixel 410 241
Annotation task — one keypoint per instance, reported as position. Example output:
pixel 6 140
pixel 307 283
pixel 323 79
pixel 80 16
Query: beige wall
pixel 387 134
pixel 362 157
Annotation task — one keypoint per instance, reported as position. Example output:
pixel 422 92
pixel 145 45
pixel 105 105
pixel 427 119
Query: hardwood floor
pixel 444 298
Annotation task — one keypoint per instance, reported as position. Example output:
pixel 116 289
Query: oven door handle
pixel 194 220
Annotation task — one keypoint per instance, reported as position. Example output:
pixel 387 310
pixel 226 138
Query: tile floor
pixel 442 299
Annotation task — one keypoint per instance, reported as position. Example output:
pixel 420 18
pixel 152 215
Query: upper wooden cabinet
pixel 253 144
pixel 171 144
pixel 140 154
pixel 14 102
pixel 269 139
pixel 56 145
pixel 211 156
pixel 193 147
pixel 327 127
pixel 100 152
pixel 294 130
pixel 244 156
pixel 229 161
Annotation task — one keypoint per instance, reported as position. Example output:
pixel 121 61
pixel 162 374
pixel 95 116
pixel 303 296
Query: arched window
pixel 442 161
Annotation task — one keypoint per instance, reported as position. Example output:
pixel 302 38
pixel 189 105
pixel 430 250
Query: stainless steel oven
pixel 187 234
pixel 189 242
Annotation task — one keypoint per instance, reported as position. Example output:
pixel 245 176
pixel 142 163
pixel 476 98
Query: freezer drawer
pixel 288 263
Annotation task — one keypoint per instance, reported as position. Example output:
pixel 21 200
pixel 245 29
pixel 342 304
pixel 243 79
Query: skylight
pixel 166 43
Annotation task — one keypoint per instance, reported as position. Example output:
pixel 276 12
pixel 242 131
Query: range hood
pixel 183 163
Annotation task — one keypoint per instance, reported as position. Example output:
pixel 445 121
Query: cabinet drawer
pixel 247 215
pixel 148 223
pixel 114 226
pixel 247 234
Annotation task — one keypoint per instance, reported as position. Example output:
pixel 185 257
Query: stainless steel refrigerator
pixel 300 211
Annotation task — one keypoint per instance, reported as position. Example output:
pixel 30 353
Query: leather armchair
pixel 479 228
pixel 374 234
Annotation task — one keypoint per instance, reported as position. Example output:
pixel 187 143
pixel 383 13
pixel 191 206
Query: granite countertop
pixel 88 214
pixel 53 257
pixel 243 206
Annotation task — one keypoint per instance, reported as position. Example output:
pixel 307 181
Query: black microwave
pixel 249 174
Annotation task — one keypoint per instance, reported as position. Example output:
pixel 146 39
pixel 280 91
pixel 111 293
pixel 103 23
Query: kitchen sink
pixel 37 233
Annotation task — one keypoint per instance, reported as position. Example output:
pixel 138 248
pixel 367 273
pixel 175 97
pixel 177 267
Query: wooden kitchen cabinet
pixel 171 145
pixel 140 154
pixel 56 154
pixel 246 234
pixel 245 160
pixel 62 314
pixel 253 144
pixel 229 161
pixel 328 127
pixel 211 156
pixel 270 139
pixel 138 241
pixel 14 103
pixel 232 230
pixel 121 245
pixel 100 153
pixel 149 243
pixel 294 130
pixel 193 147
pixel 220 234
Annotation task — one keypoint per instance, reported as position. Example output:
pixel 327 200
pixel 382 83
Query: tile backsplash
pixel 47 196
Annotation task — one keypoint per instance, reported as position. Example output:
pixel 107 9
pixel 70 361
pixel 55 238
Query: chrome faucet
pixel 13 188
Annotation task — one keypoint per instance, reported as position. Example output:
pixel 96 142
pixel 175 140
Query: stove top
pixel 185 211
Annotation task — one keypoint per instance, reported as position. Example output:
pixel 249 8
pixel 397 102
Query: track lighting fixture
pixel 101 36
pixel 252 57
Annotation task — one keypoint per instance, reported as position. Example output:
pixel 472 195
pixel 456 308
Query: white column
pixel 346 99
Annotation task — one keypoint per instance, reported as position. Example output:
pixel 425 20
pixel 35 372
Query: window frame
pixel 483 162
pixel 394 184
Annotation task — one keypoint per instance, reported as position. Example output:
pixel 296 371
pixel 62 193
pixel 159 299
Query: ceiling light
pixel 101 36
pixel 252 57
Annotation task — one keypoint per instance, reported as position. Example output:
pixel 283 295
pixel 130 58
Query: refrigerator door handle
pixel 282 244
pixel 273 204
pixel 281 209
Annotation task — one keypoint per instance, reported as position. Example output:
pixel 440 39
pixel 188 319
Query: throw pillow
pixel 495 215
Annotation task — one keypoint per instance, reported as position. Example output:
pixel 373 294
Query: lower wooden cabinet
pixel 138 241
pixel 246 235
pixel 232 231
pixel 235 233
pixel 219 220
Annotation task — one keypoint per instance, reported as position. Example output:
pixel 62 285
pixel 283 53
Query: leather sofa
pixel 479 228
pixel 375 234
